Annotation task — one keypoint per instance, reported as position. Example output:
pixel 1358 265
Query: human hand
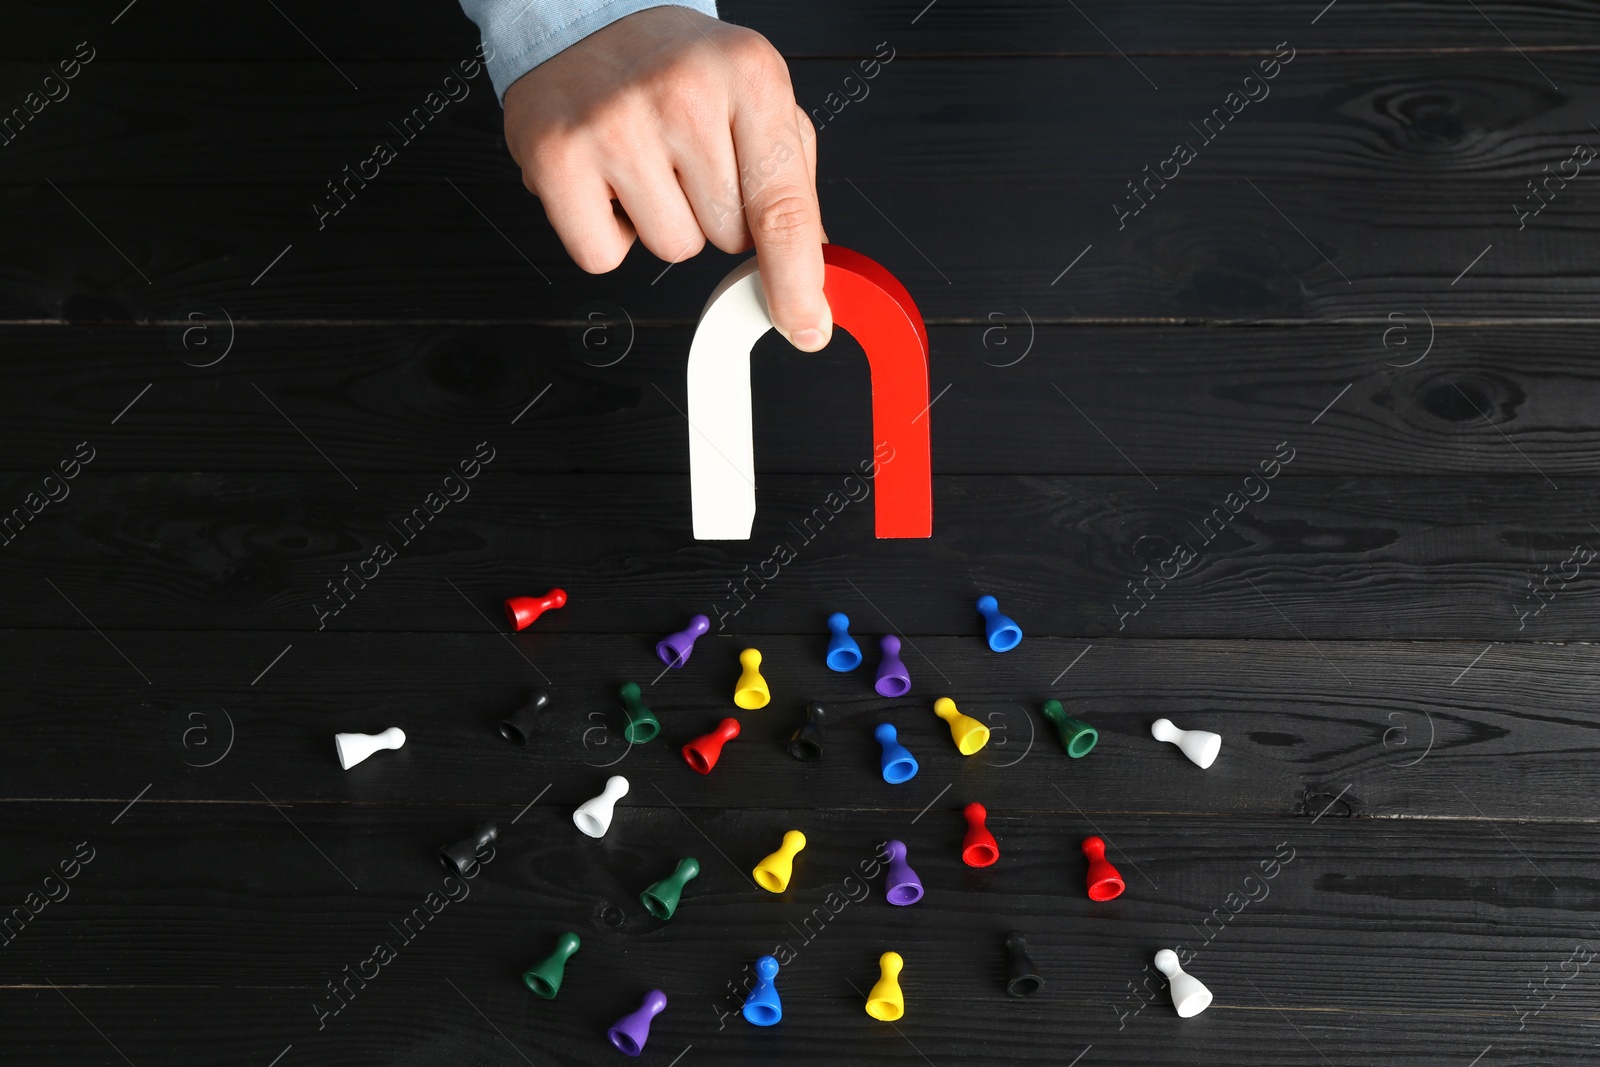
pixel 691 124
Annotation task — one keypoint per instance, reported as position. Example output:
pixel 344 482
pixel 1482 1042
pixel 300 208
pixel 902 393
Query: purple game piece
pixel 902 886
pixel 632 1031
pixel 893 678
pixel 674 649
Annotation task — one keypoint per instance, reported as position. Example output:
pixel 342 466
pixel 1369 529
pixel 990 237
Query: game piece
pixel 772 873
pixel 968 733
pixel 1201 746
pixel 661 899
pixel 702 753
pixel 633 1030
pixel 751 692
pixel 462 856
pixel 806 744
pixel 1022 980
pixel 762 1006
pixel 1189 994
pixel 353 748
pixel 1104 881
pixel 674 649
pixel 899 765
pixel 979 848
pixel 886 1002
pixel 643 726
pixel 1078 738
pixel 901 884
pixel 518 726
pixel 893 679
pixel 875 309
pixel 523 610
pixel 1002 632
pixel 593 817
pixel 544 977
pixel 843 652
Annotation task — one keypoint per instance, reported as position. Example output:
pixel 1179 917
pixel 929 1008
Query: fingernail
pixel 809 339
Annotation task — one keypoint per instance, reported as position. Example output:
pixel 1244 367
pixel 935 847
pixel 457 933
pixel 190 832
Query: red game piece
pixel 1104 881
pixel 980 848
pixel 702 753
pixel 522 610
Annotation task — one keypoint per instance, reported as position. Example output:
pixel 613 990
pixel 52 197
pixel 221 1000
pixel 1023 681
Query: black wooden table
pixel 221 396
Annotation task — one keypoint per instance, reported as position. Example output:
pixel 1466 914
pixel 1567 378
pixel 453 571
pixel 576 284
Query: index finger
pixel 785 219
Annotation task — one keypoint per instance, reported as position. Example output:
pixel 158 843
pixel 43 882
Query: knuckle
pixel 784 219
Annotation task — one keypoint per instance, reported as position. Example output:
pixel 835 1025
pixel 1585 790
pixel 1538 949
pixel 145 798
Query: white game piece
pixel 1189 994
pixel 593 817
pixel 353 748
pixel 1201 746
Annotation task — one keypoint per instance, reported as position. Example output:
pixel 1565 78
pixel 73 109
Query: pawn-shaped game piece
pixel 1104 881
pixel 806 744
pixel 1201 746
pixel 633 1030
pixel 593 817
pixel 353 748
pixel 702 753
pixel 762 1007
pixel 643 726
pixel 893 679
pixel 978 848
pixel 1077 737
pixel 462 857
pixel 751 692
pixel 1003 634
pixel 523 610
pixel 1022 978
pixel 968 733
pixel 544 977
pixel 886 1002
pixel 661 899
pixel 843 652
pixel 674 649
pixel 519 725
pixel 1189 994
pixel 772 873
pixel 898 764
pixel 901 884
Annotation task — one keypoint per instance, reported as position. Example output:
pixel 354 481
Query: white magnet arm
pixel 722 466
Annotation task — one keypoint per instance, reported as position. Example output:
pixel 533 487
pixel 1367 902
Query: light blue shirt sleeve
pixel 518 35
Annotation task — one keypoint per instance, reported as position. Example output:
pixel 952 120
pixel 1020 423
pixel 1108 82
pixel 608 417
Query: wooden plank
pixel 179 31
pixel 1414 723
pixel 1334 558
pixel 611 398
pixel 1350 921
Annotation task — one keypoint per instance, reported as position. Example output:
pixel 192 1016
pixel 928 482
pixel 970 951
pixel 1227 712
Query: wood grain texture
pixel 1414 721
pixel 1479 400
pixel 1327 558
pixel 364 29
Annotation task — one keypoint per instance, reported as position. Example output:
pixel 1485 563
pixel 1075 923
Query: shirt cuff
pixel 518 35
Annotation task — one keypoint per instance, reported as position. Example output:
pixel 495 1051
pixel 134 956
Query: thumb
pixel 786 225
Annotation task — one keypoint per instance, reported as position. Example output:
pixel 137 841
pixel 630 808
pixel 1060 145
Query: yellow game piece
pixel 968 733
pixel 886 1002
pixel 772 873
pixel 751 692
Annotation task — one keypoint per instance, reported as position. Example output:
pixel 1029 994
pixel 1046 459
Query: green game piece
pixel 1077 737
pixel 642 722
pixel 661 899
pixel 544 977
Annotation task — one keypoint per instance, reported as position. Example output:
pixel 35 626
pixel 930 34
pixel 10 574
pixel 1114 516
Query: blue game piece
pixel 899 765
pixel 893 679
pixel 843 652
pixel 1003 633
pixel 762 1006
